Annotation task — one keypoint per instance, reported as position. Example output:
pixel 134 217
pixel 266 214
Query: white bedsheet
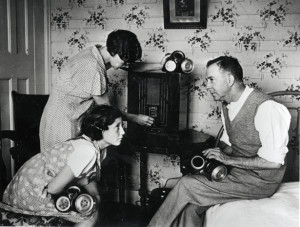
pixel 280 210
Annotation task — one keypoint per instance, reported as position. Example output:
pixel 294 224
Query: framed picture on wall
pixel 185 14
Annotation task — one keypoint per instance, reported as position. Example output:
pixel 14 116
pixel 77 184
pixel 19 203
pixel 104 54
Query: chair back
pixel 27 113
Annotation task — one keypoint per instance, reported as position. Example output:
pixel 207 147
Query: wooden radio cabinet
pixel 163 96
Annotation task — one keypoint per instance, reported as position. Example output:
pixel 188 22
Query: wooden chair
pixel 27 112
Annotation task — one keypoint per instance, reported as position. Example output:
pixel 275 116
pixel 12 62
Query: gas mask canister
pixel 177 62
pixel 73 199
pixel 212 169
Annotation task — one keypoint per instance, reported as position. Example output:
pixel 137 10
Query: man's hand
pixel 255 162
pixel 142 119
pixel 217 154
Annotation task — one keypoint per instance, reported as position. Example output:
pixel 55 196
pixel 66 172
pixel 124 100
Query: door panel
pixel 24 56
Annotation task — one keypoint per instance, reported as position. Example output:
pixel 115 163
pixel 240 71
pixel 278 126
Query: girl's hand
pixel 89 223
pixel 45 192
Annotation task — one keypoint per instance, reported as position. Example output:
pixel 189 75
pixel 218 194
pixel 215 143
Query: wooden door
pixel 24 60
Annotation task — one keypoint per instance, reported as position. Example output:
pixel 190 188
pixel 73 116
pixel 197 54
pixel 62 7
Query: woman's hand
pixel 142 119
pixel 45 193
pixel 217 154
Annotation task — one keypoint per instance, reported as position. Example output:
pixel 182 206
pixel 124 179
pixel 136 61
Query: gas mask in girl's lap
pixel 73 199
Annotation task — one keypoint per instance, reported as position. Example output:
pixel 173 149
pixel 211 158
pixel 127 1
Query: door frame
pixel 43 67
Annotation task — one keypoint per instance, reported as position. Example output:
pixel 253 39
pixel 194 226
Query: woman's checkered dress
pixel 83 77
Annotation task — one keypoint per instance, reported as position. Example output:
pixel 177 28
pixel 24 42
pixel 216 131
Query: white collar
pixel 242 99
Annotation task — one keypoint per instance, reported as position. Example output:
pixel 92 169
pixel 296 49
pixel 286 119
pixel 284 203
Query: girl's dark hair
pixel 97 119
pixel 124 43
pixel 229 64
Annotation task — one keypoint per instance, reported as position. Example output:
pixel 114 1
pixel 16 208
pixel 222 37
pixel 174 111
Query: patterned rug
pixel 8 218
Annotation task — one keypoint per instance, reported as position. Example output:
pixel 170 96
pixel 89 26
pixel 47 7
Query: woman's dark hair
pixel 124 43
pixel 97 119
pixel 229 64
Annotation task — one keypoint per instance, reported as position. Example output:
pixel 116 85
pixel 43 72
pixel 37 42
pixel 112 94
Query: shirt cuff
pixel 276 156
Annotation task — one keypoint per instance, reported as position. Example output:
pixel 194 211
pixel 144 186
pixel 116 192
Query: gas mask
pixel 177 62
pixel 73 199
pixel 212 169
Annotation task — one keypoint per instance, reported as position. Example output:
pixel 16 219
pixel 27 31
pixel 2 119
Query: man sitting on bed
pixel 254 145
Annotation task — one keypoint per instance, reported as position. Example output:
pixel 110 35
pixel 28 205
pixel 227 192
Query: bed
pixel 280 210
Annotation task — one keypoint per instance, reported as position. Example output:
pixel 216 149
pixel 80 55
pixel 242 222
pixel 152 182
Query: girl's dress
pixel 82 77
pixel 24 192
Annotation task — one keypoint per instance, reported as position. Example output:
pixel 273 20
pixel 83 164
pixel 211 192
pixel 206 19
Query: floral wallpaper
pixel 263 34
pixel 59 18
pixel 157 39
pixel 97 17
pixel 137 16
pixel 275 11
pixel 249 39
pixel 227 13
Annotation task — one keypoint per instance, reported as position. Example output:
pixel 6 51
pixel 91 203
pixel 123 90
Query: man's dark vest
pixel 243 136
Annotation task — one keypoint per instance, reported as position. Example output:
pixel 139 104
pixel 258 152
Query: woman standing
pixel 82 83
pixel 73 162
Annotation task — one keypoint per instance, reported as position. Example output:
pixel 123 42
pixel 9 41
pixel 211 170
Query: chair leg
pixel 3 180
